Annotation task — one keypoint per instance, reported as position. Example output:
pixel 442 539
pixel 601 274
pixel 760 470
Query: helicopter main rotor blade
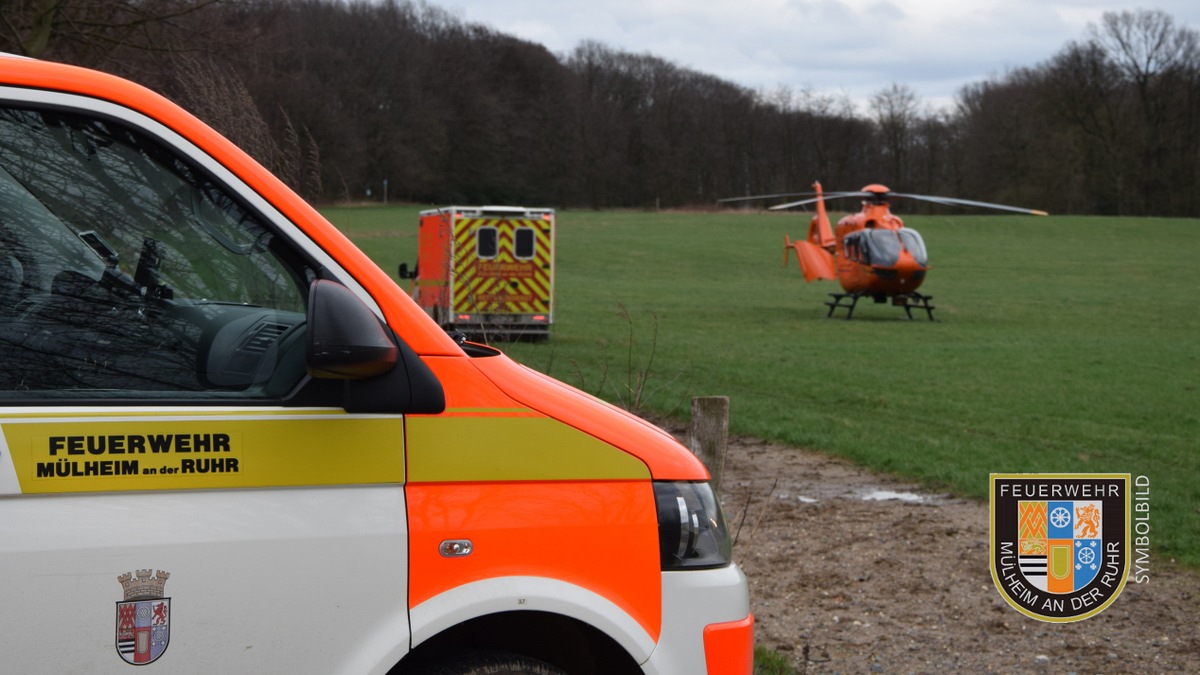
pixel 951 201
pixel 812 199
pixel 827 195
pixel 778 196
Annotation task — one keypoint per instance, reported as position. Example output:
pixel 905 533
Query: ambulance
pixel 229 443
pixel 486 271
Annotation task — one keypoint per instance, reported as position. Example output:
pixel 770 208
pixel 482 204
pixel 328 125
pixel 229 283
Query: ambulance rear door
pixel 503 278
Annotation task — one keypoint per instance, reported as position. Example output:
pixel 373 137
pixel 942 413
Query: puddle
pixel 888 495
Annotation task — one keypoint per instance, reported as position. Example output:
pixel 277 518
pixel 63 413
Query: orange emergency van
pixel 229 443
pixel 487 271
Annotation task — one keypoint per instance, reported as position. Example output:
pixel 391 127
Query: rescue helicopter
pixel 871 253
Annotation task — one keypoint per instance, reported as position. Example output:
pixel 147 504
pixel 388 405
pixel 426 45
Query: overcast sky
pixel 855 47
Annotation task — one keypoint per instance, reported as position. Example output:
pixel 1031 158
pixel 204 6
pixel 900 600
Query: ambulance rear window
pixel 487 242
pixel 526 240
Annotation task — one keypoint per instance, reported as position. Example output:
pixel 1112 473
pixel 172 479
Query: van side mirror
pixel 346 341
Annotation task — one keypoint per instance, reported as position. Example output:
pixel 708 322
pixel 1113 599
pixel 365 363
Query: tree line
pixel 354 100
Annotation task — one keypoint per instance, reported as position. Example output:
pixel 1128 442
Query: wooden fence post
pixel 710 433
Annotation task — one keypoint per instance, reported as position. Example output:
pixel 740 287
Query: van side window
pixel 487 242
pixel 524 246
pixel 128 272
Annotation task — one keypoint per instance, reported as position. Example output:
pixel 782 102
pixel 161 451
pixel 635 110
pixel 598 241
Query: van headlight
pixel 691 529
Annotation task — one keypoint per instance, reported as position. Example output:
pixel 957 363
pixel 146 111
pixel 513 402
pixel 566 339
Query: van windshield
pixel 125 268
pixel 76 192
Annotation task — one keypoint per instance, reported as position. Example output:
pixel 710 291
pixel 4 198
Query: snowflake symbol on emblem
pixel 1087 555
pixel 1060 517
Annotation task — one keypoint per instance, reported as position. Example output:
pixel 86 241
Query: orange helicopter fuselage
pixel 870 252
pixel 873 253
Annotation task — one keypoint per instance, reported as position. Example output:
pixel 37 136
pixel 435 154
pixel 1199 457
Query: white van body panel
pixel 276 580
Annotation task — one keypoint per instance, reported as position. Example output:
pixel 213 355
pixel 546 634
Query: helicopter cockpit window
pixel 884 247
pixel 915 245
pixel 127 272
pixel 853 246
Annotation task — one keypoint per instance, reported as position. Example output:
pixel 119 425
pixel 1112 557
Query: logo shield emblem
pixel 143 618
pixel 1060 542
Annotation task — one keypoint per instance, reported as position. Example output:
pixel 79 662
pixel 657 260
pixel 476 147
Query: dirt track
pixel 895 584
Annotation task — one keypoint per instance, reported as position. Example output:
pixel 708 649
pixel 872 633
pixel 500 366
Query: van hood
pixel 666 458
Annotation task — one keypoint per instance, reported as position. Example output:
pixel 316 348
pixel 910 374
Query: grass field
pixel 1063 344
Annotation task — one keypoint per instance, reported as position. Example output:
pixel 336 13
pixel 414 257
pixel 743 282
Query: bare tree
pixel 896 111
pixel 339 96
pixel 1157 62
pixel 96 32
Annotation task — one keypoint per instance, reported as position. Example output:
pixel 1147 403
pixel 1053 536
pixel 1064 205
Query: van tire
pixel 494 663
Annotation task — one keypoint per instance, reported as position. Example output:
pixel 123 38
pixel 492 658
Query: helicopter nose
pixel 909 272
pixel 907 264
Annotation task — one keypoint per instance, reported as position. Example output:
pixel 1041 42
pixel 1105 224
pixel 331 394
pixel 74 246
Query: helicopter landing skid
pixel 908 301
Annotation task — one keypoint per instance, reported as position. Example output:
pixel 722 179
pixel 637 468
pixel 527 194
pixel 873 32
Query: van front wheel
pixel 495 663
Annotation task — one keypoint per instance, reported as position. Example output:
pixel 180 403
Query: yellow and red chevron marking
pixel 1031 527
pixel 504 284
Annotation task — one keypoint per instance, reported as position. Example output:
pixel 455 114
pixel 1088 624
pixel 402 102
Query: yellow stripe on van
pixel 183 451
pixel 443 449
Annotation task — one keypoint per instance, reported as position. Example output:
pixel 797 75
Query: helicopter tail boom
pixel 815 262
pixel 819 231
